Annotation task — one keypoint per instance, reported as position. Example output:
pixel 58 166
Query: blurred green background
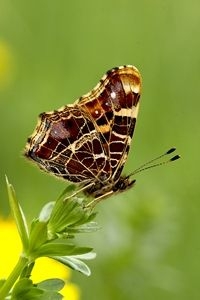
pixel 52 52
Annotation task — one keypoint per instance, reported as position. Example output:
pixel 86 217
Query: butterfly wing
pixel 113 106
pixel 66 144
pixel 89 141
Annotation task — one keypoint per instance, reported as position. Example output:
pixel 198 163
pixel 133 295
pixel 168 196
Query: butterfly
pixel 88 142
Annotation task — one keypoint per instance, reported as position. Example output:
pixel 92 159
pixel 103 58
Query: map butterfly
pixel 88 142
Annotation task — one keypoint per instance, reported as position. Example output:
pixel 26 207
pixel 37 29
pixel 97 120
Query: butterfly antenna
pixel 152 163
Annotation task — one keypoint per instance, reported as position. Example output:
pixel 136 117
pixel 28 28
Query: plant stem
pixel 22 262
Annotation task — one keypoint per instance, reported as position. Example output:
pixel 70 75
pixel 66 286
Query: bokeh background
pixel 52 52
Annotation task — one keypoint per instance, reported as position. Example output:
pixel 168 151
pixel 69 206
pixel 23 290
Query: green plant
pixel 50 235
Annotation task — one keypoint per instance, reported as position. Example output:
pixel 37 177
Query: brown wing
pixel 66 144
pixel 113 107
pixel 90 139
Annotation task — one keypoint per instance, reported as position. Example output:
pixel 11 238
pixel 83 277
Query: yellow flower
pixel 44 268
pixel 10 247
pixel 6 64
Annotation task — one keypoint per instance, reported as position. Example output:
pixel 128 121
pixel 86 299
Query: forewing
pixel 113 106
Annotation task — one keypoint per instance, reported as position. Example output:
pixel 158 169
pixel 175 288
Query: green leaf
pixel 85 216
pixel 81 250
pixel 86 256
pixel 53 284
pixel 69 210
pixel 51 288
pixel 18 216
pixel 50 296
pixel 46 211
pixel 85 228
pixel 74 264
pixel 54 248
pixel 45 290
pixel 71 188
pixel 38 235
pixel 67 214
pixel 24 289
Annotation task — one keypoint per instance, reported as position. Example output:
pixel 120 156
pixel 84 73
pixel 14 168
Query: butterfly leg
pixel 95 201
